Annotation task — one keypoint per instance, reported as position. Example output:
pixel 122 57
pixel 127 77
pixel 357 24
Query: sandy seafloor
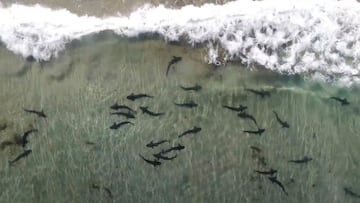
pixel 217 165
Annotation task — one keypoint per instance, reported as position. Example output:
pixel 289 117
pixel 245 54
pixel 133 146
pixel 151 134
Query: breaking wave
pixel 320 37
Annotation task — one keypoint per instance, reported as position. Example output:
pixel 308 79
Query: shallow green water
pixel 217 165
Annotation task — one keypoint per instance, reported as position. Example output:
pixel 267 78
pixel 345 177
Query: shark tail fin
pixel 168 69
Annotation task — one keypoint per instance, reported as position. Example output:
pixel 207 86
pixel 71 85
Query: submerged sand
pixel 217 165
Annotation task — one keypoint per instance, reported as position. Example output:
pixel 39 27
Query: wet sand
pixel 109 7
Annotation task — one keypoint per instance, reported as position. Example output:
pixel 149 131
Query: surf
pixel 318 38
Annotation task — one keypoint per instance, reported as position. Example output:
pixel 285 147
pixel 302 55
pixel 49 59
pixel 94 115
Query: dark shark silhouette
pixel 22 155
pixel 95 186
pixel 115 125
pixel 348 191
pixel 25 136
pixel 179 147
pixel 269 172
pixel 89 143
pixel 245 115
pixel 127 115
pixel 155 162
pixel 261 92
pixel 193 131
pixel 258 132
pixel 5 144
pixel 155 144
pixel 175 59
pixel 116 107
pixel 275 181
pixel 190 104
pixel 303 160
pixel 342 101
pixel 133 96
pixel 195 88
pixel 145 110
pixel 161 156
pixel 38 113
pixel 241 108
pixel 3 126
pixel 284 124
pixel 257 149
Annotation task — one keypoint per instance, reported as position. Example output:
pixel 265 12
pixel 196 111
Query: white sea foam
pixel 288 36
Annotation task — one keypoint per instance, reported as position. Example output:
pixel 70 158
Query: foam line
pixel 286 36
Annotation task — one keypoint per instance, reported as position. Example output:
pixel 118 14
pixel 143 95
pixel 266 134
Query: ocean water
pixel 75 66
